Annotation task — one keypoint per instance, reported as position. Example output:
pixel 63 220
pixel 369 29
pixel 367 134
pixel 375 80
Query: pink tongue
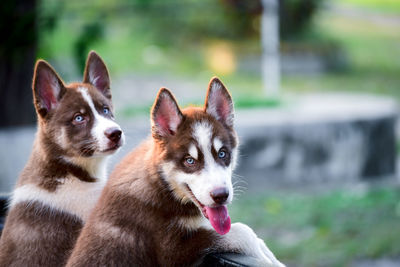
pixel 219 219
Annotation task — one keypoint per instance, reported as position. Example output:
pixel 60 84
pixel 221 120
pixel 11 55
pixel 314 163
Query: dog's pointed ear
pixel 96 73
pixel 48 88
pixel 219 102
pixel 165 115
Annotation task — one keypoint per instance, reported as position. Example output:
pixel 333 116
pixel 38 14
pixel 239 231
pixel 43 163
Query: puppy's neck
pixel 49 163
pixel 158 187
pixel 95 166
pixel 50 150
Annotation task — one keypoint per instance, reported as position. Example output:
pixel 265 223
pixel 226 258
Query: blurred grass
pixel 325 229
pixel 390 6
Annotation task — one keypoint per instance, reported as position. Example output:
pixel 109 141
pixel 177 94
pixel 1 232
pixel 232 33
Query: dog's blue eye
pixel 106 110
pixel 190 160
pixel 221 154
pixel 78 118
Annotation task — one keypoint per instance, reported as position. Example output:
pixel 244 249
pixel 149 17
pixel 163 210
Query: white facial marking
pixel 234 157
pixel 217 144
pixel 61 138
pixel 73 196
pixel 101 124
pixel 193 151
pixel 202 132
pixel 212 176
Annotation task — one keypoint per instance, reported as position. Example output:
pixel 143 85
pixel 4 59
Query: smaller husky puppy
pixel 66 171
pixel 166 203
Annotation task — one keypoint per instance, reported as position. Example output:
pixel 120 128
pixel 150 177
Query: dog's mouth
pixel 112 147
pixel 197 202
pixel 217 215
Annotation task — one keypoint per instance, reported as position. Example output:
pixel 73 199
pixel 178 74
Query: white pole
pixel 270 48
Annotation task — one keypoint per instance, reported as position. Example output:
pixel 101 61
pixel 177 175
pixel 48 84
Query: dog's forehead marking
pixel 217 144
pixel 193 151
pixel 88 99
pixel 202 132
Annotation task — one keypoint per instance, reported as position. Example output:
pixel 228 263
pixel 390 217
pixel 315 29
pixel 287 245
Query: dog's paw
pixel 269 254
pixel 248 243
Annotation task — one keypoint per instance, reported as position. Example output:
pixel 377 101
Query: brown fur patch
pixel 37 236
pixel 140 203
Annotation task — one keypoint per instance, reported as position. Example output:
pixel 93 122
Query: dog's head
pixel 76 120
pixel 199 148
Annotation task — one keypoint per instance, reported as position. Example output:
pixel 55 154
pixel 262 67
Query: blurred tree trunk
pixel 17 58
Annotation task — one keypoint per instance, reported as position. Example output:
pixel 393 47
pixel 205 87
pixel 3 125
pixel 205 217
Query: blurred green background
pixel 181 38
pixel 358 41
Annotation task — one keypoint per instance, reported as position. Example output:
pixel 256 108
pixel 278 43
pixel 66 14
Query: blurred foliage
pixel 91 33
pixel 154 37
pixel 325 229
pixel 48 14
pixel 295 16
pixel 235 19
pixel 166 23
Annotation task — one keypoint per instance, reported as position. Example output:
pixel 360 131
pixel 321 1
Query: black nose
pixel 114 134
pixel 220 195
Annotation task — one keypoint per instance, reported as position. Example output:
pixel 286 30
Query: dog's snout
pixel 220 195
pixel 114 134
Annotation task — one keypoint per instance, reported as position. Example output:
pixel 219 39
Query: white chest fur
pixel 72 196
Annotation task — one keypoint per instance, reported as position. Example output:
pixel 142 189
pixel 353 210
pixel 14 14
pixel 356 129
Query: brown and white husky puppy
pixel 165 203
pixel 66 171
